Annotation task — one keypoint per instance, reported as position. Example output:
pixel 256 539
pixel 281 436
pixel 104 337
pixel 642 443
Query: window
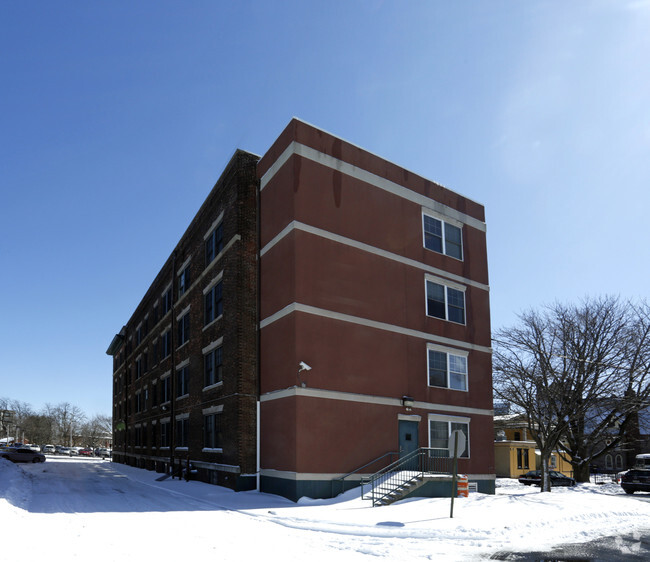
pixel 166 301
pixel 447 370
pixel 211 431
pixel 184 329
pixel 213 303
pixel 138 402
pixel 165 389
pixel 522 458
pixel 552 462
pixel 619 462
pixel 166 344
pixel 139 367
pixel 442 237
pixel 213 367
pixel 213 244
pixel 609 462
pixel 182 432
pixel 182 381
pixel 184 281
pixel 439 432
pixel 164 434
pixel 154 396
pixel 445 302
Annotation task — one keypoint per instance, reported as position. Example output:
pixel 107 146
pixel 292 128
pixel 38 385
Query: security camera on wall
pixel 304 367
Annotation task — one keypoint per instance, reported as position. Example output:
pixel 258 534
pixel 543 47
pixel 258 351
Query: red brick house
pixel 368 287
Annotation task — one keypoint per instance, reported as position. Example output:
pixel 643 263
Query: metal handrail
pixel 341 479
pixel 413 466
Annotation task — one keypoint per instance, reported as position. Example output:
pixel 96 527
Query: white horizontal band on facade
pixel 296 225
pixel 369 178
pixel 368 399
pixel 307 309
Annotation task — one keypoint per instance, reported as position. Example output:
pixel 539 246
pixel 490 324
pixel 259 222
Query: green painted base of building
pixel 325 489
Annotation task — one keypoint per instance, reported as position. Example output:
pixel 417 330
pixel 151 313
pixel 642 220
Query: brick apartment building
pixel 323 255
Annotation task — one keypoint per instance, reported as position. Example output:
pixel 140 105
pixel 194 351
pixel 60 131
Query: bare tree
pixel 95 432
pixel 68 420
pixel 596 368
pixel 528 373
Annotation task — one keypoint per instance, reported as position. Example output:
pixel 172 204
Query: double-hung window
pixel 211 431
pixel 442 237
pixel 447 368
pixel 213 367
pixel 165 389
pixel 183 381
pixel 183 329
pixel 213 303
pixel 165 344
pixel 164 434
pixel 213 243
pixel 166 301
pixel 184 281
pixel 182 430
pixel 440 429
pixel 445 301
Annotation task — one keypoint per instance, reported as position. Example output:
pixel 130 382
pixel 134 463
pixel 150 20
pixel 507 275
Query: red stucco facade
pixel 343 274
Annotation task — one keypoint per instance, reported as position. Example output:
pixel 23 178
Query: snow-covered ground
pixel 82 507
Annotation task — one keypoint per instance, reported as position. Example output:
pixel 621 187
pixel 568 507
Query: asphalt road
pixel 91 487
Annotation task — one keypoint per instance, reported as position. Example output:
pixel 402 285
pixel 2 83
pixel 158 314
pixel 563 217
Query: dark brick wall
pixel 137 434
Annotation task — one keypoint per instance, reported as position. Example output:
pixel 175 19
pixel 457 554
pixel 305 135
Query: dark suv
pixel 637 479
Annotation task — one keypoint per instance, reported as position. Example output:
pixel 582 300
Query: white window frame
pixel 450 420
pixel 446 221
pixel 446 286
pixel 448 351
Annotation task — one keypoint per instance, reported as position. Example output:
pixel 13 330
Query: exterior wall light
pixel 407 402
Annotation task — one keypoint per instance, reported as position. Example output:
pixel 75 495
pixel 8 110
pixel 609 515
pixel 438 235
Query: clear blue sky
pixel 118 117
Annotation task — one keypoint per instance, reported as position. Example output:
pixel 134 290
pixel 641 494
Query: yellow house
pixel 515 451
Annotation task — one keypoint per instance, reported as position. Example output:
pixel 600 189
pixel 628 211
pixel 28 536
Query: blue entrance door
pixel 408 437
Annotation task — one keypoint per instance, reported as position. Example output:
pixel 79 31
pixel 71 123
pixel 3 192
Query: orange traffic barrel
pixel 462 486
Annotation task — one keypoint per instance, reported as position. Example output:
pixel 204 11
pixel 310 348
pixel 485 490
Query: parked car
pixel 32 447
pixel 23 454
pixel 48 449
pixel 62 451
pixel 637 479
pixel 86 452
pixel 102 452
pixel 534 477
pixel 73 451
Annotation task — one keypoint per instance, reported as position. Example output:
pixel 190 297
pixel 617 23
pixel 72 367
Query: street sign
pixel 462 442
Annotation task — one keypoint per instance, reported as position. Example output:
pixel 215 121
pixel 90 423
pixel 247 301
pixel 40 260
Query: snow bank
pixel 15 485
pixel 95 502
